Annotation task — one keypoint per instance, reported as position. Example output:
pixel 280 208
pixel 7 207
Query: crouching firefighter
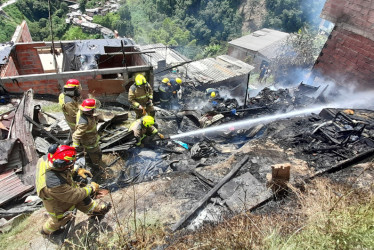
pixel 60 194
pixel 143 127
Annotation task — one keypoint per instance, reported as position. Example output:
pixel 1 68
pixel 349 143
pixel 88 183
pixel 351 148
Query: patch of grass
pixel 326 216
pixel 52 108
pixel 12 239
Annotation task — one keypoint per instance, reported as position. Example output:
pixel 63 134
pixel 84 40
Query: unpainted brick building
pixel 348 55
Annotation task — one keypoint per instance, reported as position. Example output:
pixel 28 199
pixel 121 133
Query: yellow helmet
pixel 213 94
pixel 178 80
pixel 140 79
pixel 165 80
pixel 148 121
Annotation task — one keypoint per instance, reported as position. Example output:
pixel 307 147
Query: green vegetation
pixel 292 15
pixel 52 108
pixel 13 239
pixel 36 14
pixel 76 33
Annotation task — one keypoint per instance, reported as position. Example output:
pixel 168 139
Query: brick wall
pixel 28 60
pixel 352 15
pixel 22 34
pixel 10 69
pixel 348 55
pixel 348 58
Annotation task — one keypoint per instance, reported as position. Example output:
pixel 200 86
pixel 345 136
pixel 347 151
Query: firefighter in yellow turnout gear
pixel 141 97
pixel 60 194
pixel 86 134
pixel 143 127
pixel 69 101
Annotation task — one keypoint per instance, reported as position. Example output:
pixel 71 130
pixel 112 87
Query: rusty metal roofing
pixel 260 39
pixel 11 187
pixel 162 52
pixel 212 70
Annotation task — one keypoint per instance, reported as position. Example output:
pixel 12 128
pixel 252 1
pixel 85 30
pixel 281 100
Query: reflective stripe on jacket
pixel 140 95
pixel 70 109
pixel 86 131
pixel 57 189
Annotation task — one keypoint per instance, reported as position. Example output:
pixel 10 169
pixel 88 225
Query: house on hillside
pixel 257 48
pixel 223 72
pixel 163 57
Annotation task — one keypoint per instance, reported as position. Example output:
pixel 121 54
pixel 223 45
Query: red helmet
pixel 88 104
pixel 71 83
pixel 64 157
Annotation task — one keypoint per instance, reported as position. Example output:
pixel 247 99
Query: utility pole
pixel 53 44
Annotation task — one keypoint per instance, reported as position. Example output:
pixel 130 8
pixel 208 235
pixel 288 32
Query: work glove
pixel 233 111
pixel 149 103
pixel 82 173
pixel 95 187
pixel 161 136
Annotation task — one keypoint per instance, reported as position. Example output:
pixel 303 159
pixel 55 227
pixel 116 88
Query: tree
pixel 296 54
pixel 82 5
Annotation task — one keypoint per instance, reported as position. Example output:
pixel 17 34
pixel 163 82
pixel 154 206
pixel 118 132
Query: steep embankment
pixel 254 12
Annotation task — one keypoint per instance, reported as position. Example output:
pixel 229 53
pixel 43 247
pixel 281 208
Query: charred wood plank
pixel 202 178
pixel 128 135
pixel 20 129
pixel 42 129
pixel 346 163
pixel 212 192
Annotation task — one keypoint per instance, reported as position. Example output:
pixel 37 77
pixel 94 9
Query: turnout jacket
pixel 85 131
pixel 57 189
pixel 140 132
pixel 70 107
pixel 140 94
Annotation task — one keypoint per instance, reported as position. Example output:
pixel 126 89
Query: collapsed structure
pixel 214 174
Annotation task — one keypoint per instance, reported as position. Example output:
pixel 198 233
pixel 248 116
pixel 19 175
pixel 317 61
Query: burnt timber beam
pixel 20 129
pixel 212 192
pixel 346 163
pixel 42 129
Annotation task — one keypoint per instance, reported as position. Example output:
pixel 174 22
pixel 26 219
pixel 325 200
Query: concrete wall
pixel 348 55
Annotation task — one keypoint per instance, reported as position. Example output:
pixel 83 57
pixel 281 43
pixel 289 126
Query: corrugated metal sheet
pixel 162 52
pixel 11 187
pixel 260 39
pixel 4 53
pixel 210 70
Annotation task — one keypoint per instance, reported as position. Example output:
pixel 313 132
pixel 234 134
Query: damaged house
pixel 257 48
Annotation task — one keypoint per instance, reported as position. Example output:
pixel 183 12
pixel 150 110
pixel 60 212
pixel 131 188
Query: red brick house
pixel 103 66
pixel 348 55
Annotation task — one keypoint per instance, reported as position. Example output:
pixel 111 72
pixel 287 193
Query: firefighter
pixel 141 97
pixel 165 90
pixel 176 88
pixel 69 101
pixel 86 136
pixel 60 194
pixel 144 127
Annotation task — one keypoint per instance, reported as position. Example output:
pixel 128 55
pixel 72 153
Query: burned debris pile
pixel 322 140
pixel 326 139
